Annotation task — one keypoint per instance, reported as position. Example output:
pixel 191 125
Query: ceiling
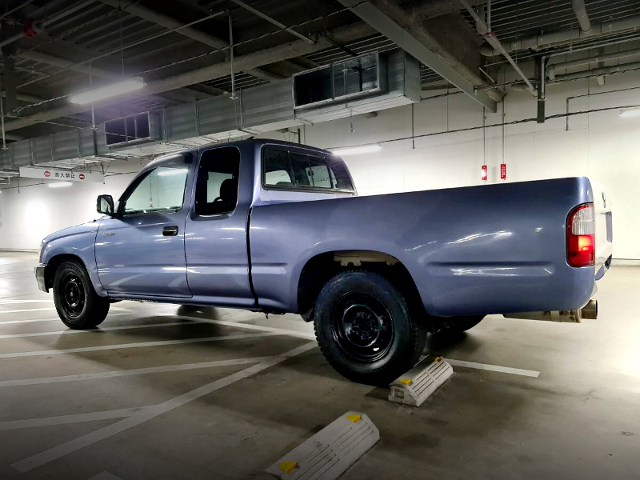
pixel 181 47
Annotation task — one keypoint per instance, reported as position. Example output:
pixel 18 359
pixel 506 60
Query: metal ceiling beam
pixel 273 21
pixel 166 21
pixel 243 62
pixel 433 55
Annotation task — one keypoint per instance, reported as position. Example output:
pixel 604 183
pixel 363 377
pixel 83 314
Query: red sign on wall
pixel 503 171
pixel 484 172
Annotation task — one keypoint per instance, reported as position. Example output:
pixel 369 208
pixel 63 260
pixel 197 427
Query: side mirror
pixel 105 205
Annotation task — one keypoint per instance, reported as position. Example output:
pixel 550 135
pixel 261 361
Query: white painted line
pixel 54 319
pixel 6 302
pixel 89 439
pixel 27 310
pixel 494 368
pixel 66 419
pixel 126 373
pixel 293 333
pixel 53 308
pixel 135 345
pixel 105 476
pixel 96 330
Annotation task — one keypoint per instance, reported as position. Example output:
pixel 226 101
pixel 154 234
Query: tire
pixel 456 325
pixel 78 305
pixel 365 329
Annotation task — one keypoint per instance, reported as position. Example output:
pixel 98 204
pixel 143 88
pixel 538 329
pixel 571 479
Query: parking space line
pixel 54 453
pixel 126 373
pixel 27 310
pixel 226 323
pixel 494 368
pixel 136 345
pixel 66 419
pixel 97 330
pixel 105 476
pixel 8 302
pixel 50 319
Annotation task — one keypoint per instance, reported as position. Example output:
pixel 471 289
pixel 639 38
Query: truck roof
pixel 266 141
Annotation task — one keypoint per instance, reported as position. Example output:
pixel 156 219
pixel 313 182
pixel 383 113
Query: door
pixel 140 251
pixel 216 240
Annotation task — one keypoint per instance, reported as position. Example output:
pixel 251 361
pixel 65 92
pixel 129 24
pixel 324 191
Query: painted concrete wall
pixel 601 145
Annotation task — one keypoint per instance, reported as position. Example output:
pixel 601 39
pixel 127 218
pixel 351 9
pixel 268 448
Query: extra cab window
pixel 284 169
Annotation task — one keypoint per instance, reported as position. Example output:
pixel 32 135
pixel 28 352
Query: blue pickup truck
pixel 278 227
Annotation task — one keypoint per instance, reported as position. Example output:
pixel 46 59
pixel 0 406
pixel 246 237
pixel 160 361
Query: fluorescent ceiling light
pixel 173 171
pixel 632 112
pixel 108 91
pixel 356 150
pixel 60 184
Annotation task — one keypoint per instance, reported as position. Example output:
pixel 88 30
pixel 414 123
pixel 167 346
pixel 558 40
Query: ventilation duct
pixel 361 85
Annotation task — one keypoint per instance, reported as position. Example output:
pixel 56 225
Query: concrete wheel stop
pixel 330 452
pixel 415 386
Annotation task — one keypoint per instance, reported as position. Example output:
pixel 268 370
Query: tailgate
pixel 604 229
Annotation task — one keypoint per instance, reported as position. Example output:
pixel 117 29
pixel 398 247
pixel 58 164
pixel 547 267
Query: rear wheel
pixel 365 329
pixel 78 305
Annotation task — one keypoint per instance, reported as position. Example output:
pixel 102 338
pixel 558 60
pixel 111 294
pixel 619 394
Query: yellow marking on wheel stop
pixel 288 467
pixel 406 381
pixel 354 418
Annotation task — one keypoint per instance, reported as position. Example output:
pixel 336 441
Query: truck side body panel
pixel 475 250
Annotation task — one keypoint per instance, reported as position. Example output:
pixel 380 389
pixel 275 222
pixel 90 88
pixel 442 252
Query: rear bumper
pixel 39 271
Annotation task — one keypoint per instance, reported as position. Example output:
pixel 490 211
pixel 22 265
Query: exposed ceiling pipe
pixel 285 51
pixel 38 26
pixel 581 75
pixel 565 36
pixel 491 37
pixel 17 7
pixel 553 68
pixel 581 14
pixel 604 71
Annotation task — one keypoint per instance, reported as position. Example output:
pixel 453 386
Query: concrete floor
pixel 579 419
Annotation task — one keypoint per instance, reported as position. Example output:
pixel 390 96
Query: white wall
pixel 29 213
pixel 600 145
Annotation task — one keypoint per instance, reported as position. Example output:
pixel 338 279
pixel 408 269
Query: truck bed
pixel 473 250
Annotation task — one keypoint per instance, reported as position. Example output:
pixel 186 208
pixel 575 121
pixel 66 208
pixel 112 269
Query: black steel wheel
pixel 77 303
pixel 73 295
pixel 365 329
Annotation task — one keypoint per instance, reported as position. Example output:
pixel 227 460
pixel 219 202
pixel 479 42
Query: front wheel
pixel 78 305
pixel 365 329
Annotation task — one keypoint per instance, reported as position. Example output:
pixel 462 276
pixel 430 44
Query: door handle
pixel 170 231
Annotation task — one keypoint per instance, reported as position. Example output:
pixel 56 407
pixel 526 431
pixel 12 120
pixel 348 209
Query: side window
pixel 161 190
pixel 290 169
pixel 217 184
pixel 300 166
pixel 319 173
pixel 277 170
pixel 340 175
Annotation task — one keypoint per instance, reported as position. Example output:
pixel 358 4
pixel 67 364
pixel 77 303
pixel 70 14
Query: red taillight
pixel 581 236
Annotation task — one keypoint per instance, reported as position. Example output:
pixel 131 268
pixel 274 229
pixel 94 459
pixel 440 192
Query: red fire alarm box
pixel 503 171
pixel 484 172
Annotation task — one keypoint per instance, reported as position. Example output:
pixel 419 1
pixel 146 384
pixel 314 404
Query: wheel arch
pixel 54 263
pixel 319 269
